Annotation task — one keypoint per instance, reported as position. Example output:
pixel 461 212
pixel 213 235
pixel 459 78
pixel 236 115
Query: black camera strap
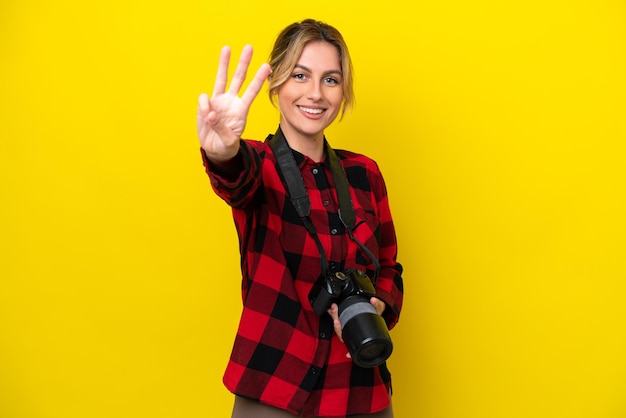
pixel 300 198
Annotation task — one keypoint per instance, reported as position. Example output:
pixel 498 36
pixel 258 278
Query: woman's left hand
pixel 333 311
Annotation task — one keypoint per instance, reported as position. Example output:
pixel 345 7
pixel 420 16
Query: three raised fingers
pixel 239 77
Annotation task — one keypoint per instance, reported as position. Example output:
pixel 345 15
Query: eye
pixel 299 76
pixel 331 81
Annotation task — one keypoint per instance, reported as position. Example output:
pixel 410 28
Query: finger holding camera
pixel 350 299
pixel 333 311
pixel 378 304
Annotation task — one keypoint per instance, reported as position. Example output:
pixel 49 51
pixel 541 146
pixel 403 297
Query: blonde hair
pixel 288 48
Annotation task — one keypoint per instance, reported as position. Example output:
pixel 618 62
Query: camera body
pixel 364 331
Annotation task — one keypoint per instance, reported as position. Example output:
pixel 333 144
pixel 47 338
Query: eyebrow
pixel 325 72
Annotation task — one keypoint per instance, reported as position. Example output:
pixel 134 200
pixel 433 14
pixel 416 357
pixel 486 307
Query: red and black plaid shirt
pixel 284 354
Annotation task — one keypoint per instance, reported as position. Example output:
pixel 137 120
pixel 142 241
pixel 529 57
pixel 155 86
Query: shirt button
pixel 322 335
pixel 315 171
pixel 326 203
pixel 333 231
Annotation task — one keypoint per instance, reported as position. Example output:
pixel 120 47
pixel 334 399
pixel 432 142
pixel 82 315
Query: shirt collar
pixel 303 161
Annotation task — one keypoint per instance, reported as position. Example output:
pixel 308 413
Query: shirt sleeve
pixel 390 286
pixel 239 185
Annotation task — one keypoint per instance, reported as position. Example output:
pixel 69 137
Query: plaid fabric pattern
pixel 284 354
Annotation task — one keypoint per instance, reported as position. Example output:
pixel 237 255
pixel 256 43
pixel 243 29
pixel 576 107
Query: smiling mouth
pixel 311 111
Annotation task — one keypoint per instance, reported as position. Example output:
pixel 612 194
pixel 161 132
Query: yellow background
pixel 500 129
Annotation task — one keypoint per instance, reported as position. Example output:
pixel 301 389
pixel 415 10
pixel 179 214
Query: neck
pixel 311 146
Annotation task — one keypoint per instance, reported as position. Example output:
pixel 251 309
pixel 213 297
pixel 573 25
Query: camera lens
pixel 364 332
pixel 372 350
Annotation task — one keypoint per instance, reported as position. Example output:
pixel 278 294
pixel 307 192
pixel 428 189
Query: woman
pixel 287 359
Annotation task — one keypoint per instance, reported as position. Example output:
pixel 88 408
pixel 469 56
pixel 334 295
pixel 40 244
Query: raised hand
pixel 222 118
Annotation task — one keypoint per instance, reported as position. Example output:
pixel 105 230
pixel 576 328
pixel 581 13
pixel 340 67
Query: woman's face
pixel 311 98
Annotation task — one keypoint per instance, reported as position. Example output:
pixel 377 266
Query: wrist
pixel 228 168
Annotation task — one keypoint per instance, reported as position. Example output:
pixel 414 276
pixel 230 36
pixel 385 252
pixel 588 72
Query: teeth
pixel 313 111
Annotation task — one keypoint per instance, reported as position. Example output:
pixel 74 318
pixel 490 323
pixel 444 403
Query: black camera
pixel 364 331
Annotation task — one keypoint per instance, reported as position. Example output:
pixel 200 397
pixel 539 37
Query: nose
pixel 315 90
